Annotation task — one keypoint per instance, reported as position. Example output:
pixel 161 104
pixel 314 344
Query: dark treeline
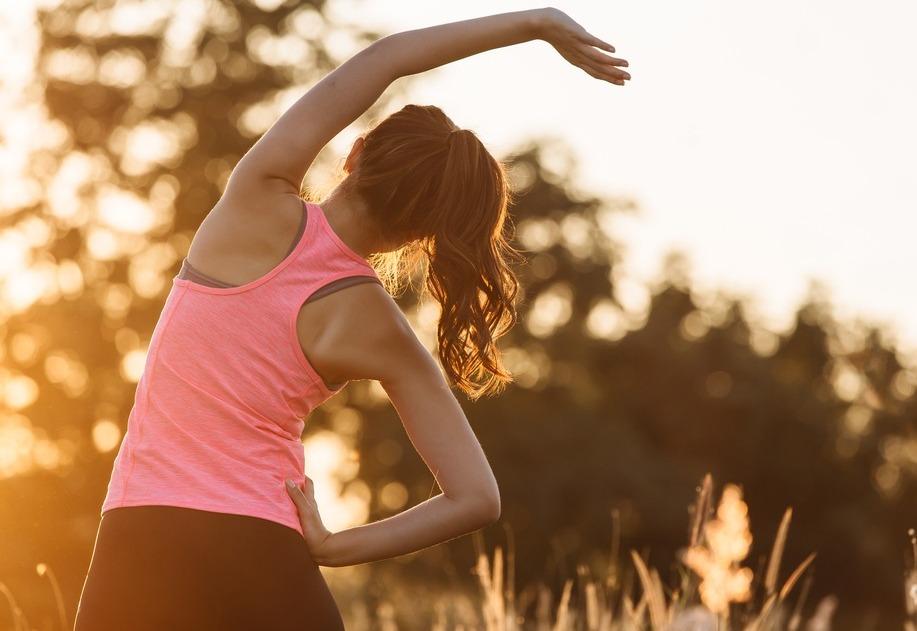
pixel 820 419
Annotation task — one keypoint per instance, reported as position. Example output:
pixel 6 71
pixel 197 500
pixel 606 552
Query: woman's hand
pixel 579 47
pixel 316 535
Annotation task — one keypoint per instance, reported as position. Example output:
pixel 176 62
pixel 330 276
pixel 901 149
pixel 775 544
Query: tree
pixel 145 107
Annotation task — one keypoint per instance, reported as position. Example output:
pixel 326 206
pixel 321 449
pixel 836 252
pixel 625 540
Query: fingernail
pixel 289 483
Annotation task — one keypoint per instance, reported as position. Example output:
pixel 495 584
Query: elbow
pixel 486 507
pixel 383 50
pixel 493 513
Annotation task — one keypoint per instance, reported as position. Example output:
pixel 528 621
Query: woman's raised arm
pixel 278 161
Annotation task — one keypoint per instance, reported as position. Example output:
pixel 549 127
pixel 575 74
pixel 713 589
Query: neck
pixel 350 221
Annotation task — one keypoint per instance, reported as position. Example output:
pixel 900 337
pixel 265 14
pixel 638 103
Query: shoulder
pixel 270 213
pixel 238 231
pixel 256 210
pixel 365 335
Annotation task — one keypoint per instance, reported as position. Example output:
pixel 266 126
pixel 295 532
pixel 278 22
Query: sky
pixel 772 143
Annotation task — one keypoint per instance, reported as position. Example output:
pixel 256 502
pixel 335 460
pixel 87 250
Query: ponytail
pixel 435 188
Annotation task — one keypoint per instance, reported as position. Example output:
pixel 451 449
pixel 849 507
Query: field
pixel 716 593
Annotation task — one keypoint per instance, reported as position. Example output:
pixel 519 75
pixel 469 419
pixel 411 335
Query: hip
pixel 157 567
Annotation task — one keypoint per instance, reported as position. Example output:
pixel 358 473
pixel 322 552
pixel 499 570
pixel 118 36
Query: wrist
pixel 328 553
pixel 539 20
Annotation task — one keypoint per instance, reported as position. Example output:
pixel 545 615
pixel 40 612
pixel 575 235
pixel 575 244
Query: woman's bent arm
pixel 373 340
pixel 431 522
pixel 278 161
pixel 419 50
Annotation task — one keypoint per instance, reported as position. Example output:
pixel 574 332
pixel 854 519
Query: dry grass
pixel 715 593
pixel 707 598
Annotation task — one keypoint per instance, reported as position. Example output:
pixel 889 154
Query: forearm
pixel 291 144
pixel 418 50
pixel 433 521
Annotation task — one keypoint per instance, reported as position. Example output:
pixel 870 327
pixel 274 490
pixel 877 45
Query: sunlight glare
pixel 150 143
pixel 147 271
pixel 75 65
pixel 846 380
pixel 632 295
pixel 102 244
pixel 858 418
pixel 14 250
pixel 69 278
pixel 605 320
pixel 63 198
pixel 19 391
pixel 121 68
pixel 24 348
pixel 46 454
pixel 106 435
pixel 16 442
pixel 115 299
pixel 66 370
pixel 538 234
pixel 577 235
pixel 528 366
pixel 326 465
pixel 393 496
pixel 132 365
pixel 124 211
pixel 552 309
pixel 26 287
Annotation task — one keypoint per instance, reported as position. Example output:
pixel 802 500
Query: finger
pixel 612 69
pixel 295 493
pixel 609 73
pixel 594 73
pixel 602 58
pixel 592 40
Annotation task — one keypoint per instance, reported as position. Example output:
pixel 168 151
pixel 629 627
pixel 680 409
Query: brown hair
pixel 436 189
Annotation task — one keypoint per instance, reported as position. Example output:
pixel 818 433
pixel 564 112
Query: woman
pixel 275 309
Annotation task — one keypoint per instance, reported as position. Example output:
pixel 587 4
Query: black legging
pixel 167 568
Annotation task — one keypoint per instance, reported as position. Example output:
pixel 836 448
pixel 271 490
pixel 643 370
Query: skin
pixel 359 332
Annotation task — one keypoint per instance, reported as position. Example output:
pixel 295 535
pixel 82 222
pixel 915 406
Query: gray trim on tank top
pixel 188 272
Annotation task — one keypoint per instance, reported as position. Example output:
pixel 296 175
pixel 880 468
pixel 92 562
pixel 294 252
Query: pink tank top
pixel 221 404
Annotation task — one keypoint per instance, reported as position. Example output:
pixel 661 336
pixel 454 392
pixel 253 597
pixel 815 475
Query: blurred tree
pixel 146 107
pixel 626 400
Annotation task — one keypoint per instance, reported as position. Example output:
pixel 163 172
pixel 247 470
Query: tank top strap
pixel 315 211
pixel 322 257
pixel 323 264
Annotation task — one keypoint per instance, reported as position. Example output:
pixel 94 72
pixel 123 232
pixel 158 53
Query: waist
pixel 197 522
pixel 216 513
pixel 218 472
